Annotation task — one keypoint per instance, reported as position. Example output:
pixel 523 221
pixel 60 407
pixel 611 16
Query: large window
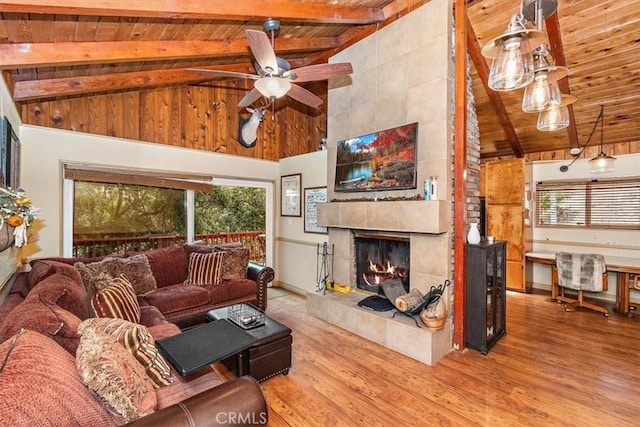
pixel 117 211
pixel 122 218
pixel 589 204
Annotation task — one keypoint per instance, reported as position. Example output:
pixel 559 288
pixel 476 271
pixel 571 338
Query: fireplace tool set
pixel 413 303
pixel 324 268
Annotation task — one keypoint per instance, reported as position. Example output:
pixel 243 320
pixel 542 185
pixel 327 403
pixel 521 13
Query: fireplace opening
pixel 380 258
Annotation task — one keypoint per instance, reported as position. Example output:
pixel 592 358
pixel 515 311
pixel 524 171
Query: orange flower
pixel 14 220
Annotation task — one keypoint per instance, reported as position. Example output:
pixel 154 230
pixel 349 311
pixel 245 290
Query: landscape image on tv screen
pixel 384 160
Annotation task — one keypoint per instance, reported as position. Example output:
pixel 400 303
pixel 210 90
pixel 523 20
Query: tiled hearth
pixel 399 333
pixel 429 261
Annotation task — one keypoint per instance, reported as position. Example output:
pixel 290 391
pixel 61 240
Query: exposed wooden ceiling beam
pixel 552 24
pixel 31 55
pixel 67 86
pixel 496 101
pixel 52 88
pixel 285 10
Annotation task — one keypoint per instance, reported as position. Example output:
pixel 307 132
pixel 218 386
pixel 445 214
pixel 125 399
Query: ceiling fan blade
pixel 300 94
pixel 262 51
pixel 220 73
pixel 252 96
pixel 319 72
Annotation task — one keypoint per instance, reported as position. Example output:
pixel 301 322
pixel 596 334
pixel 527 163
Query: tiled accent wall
pixel 403 73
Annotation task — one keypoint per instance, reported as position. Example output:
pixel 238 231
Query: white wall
pixel 45 149
pixel 8 258
pixel 295 249
pixel 623 243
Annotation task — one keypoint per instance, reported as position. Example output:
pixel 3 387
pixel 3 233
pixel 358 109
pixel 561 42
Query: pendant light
pixel 556 116
pixel 544 89
pixel 512 66
pixel 602 163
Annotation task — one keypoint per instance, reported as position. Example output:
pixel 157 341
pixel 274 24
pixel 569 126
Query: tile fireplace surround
pixel 426 224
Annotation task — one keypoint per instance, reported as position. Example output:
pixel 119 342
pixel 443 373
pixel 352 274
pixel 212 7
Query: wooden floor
pixel 551 369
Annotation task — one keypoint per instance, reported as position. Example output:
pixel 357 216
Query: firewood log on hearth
pixel 410 301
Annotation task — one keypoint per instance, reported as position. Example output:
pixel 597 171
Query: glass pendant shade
pixel 602 163
pixel 512 68
pixel 273 87
pixel 555 117
pixel 540 94
pixel 555 96
pixel 537 95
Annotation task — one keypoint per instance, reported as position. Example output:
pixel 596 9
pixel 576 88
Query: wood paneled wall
pixel 200 117
pixel 591 151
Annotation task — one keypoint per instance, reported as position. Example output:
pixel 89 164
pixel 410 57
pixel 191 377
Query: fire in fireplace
pixel 379 258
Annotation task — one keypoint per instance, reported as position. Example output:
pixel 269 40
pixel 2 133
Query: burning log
pixel 410 301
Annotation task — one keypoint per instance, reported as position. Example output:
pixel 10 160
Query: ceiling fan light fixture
pixel 273 87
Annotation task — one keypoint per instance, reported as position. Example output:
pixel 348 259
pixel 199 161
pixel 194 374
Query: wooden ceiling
pixel 67 48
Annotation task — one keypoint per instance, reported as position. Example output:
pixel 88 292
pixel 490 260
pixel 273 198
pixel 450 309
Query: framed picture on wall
pixel 290 195
pixel 313 196
pixel 9 155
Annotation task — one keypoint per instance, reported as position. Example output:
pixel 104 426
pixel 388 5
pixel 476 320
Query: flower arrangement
pixel 16 211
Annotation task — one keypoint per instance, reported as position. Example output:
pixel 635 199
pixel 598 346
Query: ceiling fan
pixel 274 77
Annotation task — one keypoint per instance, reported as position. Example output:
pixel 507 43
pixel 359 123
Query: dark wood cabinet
pixel 485 295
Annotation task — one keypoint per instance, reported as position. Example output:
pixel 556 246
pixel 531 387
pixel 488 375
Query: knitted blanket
pixel 580 271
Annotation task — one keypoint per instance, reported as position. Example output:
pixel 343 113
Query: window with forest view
pixel 231 214
pixel 121 218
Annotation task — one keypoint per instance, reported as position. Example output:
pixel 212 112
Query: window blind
pixel 163 179
pixel 592 204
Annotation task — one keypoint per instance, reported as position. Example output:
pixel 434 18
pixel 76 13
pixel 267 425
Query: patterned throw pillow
pixel 115 376
pixel 205 269
pixel 138 341
pixel 118 300
pixel 135 268
pixel 234 263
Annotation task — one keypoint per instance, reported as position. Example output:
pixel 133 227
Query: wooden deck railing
pixel 94 247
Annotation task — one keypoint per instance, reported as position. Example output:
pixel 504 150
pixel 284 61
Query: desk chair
pixel 581 272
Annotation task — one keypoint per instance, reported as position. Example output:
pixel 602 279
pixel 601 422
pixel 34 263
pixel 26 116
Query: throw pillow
pixel 115 376
pixel 40 315
pixel 135 268
pixel 64 292
pixel 138 341
pixel 40 385
pixel 118 300
pixel 205 269
pixel 234 263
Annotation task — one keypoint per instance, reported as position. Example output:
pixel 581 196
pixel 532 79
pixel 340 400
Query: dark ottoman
pixel 270 355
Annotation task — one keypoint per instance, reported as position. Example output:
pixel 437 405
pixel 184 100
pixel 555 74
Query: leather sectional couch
pixel 39 320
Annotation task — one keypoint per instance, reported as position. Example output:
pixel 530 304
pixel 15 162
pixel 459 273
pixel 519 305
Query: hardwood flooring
pixel 551 369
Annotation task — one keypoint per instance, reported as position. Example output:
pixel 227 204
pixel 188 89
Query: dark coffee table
pixel 267 356
pixel 201 346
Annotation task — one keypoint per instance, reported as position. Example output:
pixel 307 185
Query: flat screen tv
pixel 384 160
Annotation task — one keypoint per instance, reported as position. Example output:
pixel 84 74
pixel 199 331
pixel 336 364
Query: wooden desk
pixel 623 267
